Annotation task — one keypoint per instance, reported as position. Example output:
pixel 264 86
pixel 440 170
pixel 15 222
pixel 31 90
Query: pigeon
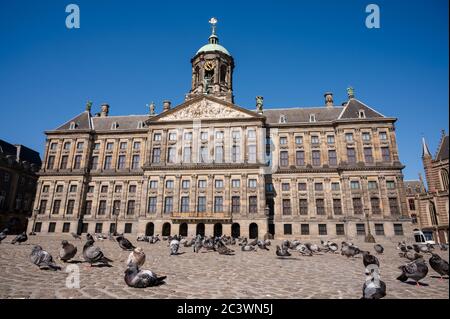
pixel 21 238
pixel 378 248
pixel 43 259
pixel 248 248
pixel 243 242
pixel 224 250
pixel 67 251
pixel 411 255
pixel 141 278
pixel 3 234
pixel 76 236
pixel 369 259
pixel 373 287
pixel 124 243
pixel 93 255
pixel 198 244
pixel 174 246
pixel 438 264
pixel 262 245
pixel 443 247
pixel 282 252
pixel 303 250
pixel 137 257
pixel 415 270
pixel 312 247
pixel 349 251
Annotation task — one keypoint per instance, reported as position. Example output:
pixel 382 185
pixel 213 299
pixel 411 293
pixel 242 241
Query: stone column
pixel 193 195
pixel 160 196
pixel 210 194
pixel 227 188
pixel 244 199
pixel 176 195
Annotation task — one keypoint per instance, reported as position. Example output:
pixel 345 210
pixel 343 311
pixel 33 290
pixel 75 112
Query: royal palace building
pixel 210 166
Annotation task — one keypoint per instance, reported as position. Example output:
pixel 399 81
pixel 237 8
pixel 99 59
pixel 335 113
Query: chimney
pixel 105 110
pixel 166 105
pixel 328 99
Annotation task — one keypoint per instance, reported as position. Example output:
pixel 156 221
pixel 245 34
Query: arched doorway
pixel 183 230
pixel 235 230
pixel 166 229
pixel 217 230
pixel 200 229
pixel 150 229
pixel 253 231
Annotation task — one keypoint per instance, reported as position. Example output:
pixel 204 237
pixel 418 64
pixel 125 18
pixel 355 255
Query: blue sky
pixel 129 53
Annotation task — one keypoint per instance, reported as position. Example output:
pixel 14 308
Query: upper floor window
pixel 361 114
pixel 59 188
pixel 202 183
pixel 332 158
pixel 169 184
pixel 72 126
pixel 351 155
pixel 140 124
pixel 185 184
pixel 235 183
pixel 330 139
pixel 156 155
pixel 252 183
pixel 284 158
pixel 383 136
pixel 67 146
pixel 283 119
pixel 299 140
pixel 171 155
pixel 312 117
pixel 123 145
pixel 172 136
pixel 137 145
pixel 354 184
pixel 188 136
pixel 444 178
pixel 349 137
pixel 366 136
pixel 53 146
pixel 285 187
pixel 251 133
pixel 132 189
pixel 219 183
pixel 314 139
pixel 219 154
pixel 96 146
pixel 316 158
pixel 153 184
pixel 385 154
pixel 335 186
pixel 283 140
pixel 114 126
pixel 135 161
pixel 219 135
pixel 109 146
pixel 252 153
pixel 80 145
pixel 318 187
pixel 157 137
pixel 373 185
pixel 301 186
pixel 390 184
pixel 236 135
pixel 204 136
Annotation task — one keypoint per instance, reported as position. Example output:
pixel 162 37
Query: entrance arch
pixel 235 230
pixel 166 229
pixel 217 230
pixel 200 229
pixel 150 229
pixel 183 229
pixel 253 231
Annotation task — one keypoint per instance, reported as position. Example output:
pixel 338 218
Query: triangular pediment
pixel 205 108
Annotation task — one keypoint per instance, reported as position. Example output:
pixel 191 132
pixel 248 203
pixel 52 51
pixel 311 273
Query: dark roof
pixel 442 153
pixel 7 148
pixel 29 155
pixel 129 122
pixel 352 108
pixel 82 122
pixel 413 187
pixel 301 115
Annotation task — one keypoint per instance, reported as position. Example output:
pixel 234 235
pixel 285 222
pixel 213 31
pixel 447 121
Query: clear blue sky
pixel 129 53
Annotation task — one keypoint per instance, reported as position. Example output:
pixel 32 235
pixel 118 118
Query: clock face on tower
pixel 209 65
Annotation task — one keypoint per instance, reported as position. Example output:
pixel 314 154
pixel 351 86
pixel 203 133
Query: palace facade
pixel 210 166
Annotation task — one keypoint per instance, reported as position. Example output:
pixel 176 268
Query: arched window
pixel 444 178
pixel 223 73
pixel 432 210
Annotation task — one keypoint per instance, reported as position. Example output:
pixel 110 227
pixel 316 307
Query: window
pixel 121 162
pixel 285 187
pixel 202 183
pixel 335 186
pixel 349 137
pixel 414 219
pixel 383 136
pixel 114 126
pixel 132 189
pixel 354 184
pixel 235 183
pixel 45 188
pixel 379 229
pixel 152 205
pixel 203 154
pixel 318 187
pixel 300 158
pixel 304 229
pixel 251 133
pixel 51 162
pixel 269 187
pixel 135 162
pixel 398 229
pixel 299 140
pixel 201 204
pixel 66 227
pixel 284 158
pixel 108 161
pixel 188 136
pixel 332 158
pixel 157 137
pixel 51 227
pixel 109 146
pixel 73 189
pixel 337 206
pixel 253 204
pixel 361 114
pixel 368 155
pixel 67 146
pixel 171 152
pixel 219 183
pixel 393 206
pixel 340 231
pixel 219 135
pixel 351 156
pixel 38 227
pixel 390 184
pixel 219 154
pixel 314 139
pixel 301 186
pixel 185 184
pixel 59 188
pixel 94 163
pixel 116 207
pixel 88 207
pixel 412 204
pixel 153 184
pixel 444 179
pixel 287 229
pixel 366 136
pixel 375 204
pixel 323 229
pixel 42 206
pixel 64 160
pixel 283 119
pixel 128 228
pixel 169 184
pixel 185 204
pixel 204 136
pixel 187 155
pixel 53 146
pixel 236 135
pixel 320 206
pixel 104 189
pixel 168 205
pixel 360 229
pixel 137 145
pixel 283 140
pixel 102 207
pixel 373 185
pixel 123 145
pixel 80 145
pixel 235 153
pixel 56 207
pixel 330 139
pixel 357 206
pixel 316 158
pixel 252 183
pixel 172 136
pixel 252 153
pixel 97 146
pixel 218 204
pixel 98 228
pixel 385 154
pixel 287 207
pixel 303 204
pixel 156 155
pixel 312 118
pixel 235 204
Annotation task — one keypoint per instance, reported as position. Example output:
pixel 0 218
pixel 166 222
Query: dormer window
pixel 140 124
pixel 114 126
pixel 361 114
pixel 72 126
pixel 312 118
pixel 283 119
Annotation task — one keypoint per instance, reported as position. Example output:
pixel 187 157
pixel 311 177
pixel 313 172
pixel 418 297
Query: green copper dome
pixel 213 47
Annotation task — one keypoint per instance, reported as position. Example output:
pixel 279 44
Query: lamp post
pixel 369 238
pixel 35 212
pixel 117 219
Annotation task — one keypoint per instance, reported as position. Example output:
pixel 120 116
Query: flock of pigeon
pixel 374 288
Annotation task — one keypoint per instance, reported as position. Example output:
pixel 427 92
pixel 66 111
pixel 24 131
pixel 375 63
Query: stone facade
pixel 209 166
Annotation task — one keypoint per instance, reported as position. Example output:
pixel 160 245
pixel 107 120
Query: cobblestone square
pixel 258 274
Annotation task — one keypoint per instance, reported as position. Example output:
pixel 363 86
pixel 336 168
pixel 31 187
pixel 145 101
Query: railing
pixel 203 215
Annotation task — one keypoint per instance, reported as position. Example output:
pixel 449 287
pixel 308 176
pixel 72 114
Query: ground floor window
pixel 360 229
pixel 287 229
pixel 379 229
pixel 98 228
pixel 84 228
pixel 128 228
pixel 112 228
pixel 304 229
pixel 322 229
pixel 66 227
pixel 340 229
pixel 51 227
pixel 398 229
pixel 37 227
